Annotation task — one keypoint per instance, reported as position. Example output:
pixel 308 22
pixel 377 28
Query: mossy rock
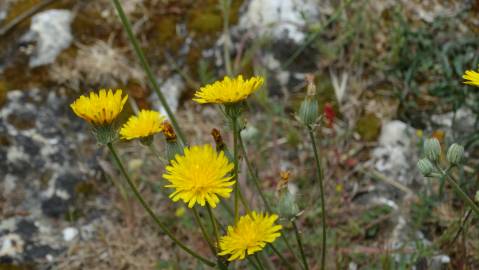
pixel 205 22
pixel 368 127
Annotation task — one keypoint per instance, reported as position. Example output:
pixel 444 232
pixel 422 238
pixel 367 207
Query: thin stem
pixel 203 230
pixel 256 181
pixel 226 45
pixel 258 261
pixel 461 193
pixel 213 223
pixel 300 244
pixel 323 208
pixel 234 124
pixel 149 73
pixel 157 154
pixel 281 257
pixel 148 209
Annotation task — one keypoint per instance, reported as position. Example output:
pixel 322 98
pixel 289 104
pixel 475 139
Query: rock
pixel 69 234
pixel 395 155
pixel 51 32
pixel 45 153
pixel 172 89
pixel 279 19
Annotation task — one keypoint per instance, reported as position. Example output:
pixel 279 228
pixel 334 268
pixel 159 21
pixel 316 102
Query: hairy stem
pixel 300 244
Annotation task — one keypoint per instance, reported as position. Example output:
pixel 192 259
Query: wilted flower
pixel 229 90
pixel 249 235
pixel 200 175
pixel 144 125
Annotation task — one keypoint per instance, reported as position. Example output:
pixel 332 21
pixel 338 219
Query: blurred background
pixel 388 75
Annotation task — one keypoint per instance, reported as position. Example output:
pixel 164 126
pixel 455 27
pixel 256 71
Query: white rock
pixel 172 89
pixel 11 245
pixel 279 18
pixel 69 234
pixel 51 31
pixel 394 156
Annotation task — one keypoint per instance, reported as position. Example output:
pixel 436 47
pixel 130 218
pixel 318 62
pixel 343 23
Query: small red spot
pixel 329 114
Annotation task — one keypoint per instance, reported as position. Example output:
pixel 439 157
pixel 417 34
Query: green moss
pixel 205 22
pixel 368 127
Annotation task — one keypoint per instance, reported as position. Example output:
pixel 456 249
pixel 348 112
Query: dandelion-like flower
pixel 229 90
pixel 99 109
pixel 200 176
pixel 471 77
pixel 144 125
pixel 249 235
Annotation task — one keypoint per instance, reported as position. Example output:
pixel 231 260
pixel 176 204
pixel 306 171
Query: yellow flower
pixel 200 176
pixel 249 235
pixel 228 91
pixel 145 124
pixel 471 77
pixel 99 109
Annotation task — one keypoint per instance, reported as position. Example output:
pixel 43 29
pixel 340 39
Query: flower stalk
pixel 150 212
pixel 319 175
pixel 300 244
pixel 149 73
pixel 461 192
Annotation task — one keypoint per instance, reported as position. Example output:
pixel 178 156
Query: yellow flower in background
pixel 471 77
pixel 99 109
pixel 249 235
pixel 145 124
pixel 200 175
pixel 229 90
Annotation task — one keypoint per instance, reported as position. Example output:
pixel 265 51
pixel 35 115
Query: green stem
pixel 461 193
pixel 256 181
pixel 148 209
pixel 203 230
pixel 281 257
pixel 213 223
pixel 323 208
pixel 234 124
pixel 258 261
pixel 300 244
pixel 226 36
pixel 149 73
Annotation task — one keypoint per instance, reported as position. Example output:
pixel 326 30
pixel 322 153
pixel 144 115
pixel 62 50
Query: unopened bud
pixel 425 167
pixel 432 149
pixel 455 153
pixel 287 206
pixel 308 111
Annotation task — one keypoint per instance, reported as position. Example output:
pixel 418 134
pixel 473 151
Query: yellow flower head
pixel 249 235
pixel 200 175
pixel 99 109
pixel 228 90
pixel 471 77
pixel 145 124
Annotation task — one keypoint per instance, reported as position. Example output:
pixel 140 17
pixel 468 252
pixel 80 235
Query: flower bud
pixel 425 167
pixel 432 149
pixel 287 206
pixel 308 111
pixel 455 153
